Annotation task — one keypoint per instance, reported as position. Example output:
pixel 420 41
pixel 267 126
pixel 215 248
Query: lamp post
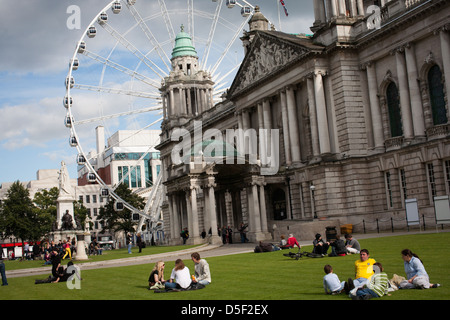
pixel 312 188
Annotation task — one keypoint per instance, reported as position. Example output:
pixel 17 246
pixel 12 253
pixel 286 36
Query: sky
pixel 38 40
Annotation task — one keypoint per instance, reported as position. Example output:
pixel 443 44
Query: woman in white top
pixel 180 277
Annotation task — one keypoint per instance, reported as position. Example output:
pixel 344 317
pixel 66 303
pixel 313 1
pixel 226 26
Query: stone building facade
pixel 357 117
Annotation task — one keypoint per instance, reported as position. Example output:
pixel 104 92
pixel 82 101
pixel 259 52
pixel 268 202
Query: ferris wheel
pixel 124 55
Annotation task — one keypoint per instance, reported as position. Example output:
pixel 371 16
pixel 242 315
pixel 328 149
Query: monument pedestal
pixel 81 251
pixel 62 235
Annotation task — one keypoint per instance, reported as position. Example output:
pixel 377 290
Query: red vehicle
pixel 14 250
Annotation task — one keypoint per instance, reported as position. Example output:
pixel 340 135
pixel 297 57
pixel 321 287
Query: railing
pixel 438 131
pixel 410 3
pixel 395 225
pixel 394 143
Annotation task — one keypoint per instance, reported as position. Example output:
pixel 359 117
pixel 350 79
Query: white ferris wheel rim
pixel 95 22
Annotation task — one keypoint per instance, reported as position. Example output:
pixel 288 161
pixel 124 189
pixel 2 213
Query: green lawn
pixel 254 276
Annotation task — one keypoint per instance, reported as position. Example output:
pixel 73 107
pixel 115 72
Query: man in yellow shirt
pixel 363 271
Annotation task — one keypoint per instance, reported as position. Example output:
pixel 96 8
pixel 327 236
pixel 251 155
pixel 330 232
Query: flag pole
pixel 279 14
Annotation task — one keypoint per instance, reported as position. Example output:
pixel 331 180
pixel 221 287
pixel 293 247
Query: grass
pixel 251 276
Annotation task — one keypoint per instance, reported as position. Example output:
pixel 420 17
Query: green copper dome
pixel 183 45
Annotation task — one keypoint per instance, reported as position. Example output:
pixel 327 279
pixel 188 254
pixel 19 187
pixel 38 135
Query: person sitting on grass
pixel 376 287
pixel 180 277
pixel 291 242
pixel 331 282
pixel 202 273
pixel 363 271
pixel 415 273
pixel 156 278
pixel 61 275
pixel 320 246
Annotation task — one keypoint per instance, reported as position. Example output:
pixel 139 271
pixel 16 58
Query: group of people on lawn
pixel 370 280
pixel 180 278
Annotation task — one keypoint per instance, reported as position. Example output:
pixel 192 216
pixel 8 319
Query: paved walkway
pixel 205 251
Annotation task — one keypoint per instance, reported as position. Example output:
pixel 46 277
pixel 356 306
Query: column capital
pixel 322 72
pixel 444 28
pixel 367 64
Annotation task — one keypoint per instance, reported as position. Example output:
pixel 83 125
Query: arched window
pixel 437 96
pixel 395 118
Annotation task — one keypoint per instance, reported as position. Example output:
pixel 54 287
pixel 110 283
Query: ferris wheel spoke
pixel 118 115
pixel 130 47
pixel 191 25
pixel 167 20
pixel 150 36
pixel 230 44
pixel 133 74
pixel 137 94
pixel 212 32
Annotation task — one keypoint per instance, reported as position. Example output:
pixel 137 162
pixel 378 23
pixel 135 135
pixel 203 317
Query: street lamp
pixel 312 188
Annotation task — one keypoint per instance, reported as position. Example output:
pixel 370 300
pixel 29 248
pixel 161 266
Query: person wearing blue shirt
pixel 415 273
pixel 331 282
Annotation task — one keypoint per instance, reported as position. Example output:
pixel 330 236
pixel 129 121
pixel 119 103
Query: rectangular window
pixel 94 198
pixel 123 174
pixel 389 190
pixel 135 177
pixel 447 175
pixel 431 181
pixel 88 199
pixel 403 184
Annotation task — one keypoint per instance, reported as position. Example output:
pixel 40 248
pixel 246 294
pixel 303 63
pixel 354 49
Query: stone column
pixel 313 116
pixel 319 12
pixel 375 110
pixel 414 91
pixel 285 120
pixel 445 49
pixel 333 9
pixel 361 8
pixel 241 145
pixel 404 94
pixel 268 126
pixel 172 109
pixel 195 228
pixel 293 124
pixel 190 110
pixel 354 9
pixel 190 222
pixel 256 209
pixel 262 137
pixel 164 101
pixel 322 120
pixel 263 211
pixel 215 239
pixel 342 8
pixel 176 219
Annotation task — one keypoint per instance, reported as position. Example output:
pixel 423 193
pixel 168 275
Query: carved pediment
pixel 267 55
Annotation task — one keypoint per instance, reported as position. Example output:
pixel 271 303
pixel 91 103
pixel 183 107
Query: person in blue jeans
pixel 129 242
pixel 3 270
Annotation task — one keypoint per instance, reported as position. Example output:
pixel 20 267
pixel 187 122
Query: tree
pixel 120 221
pixel 18 214
pixel 46 209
